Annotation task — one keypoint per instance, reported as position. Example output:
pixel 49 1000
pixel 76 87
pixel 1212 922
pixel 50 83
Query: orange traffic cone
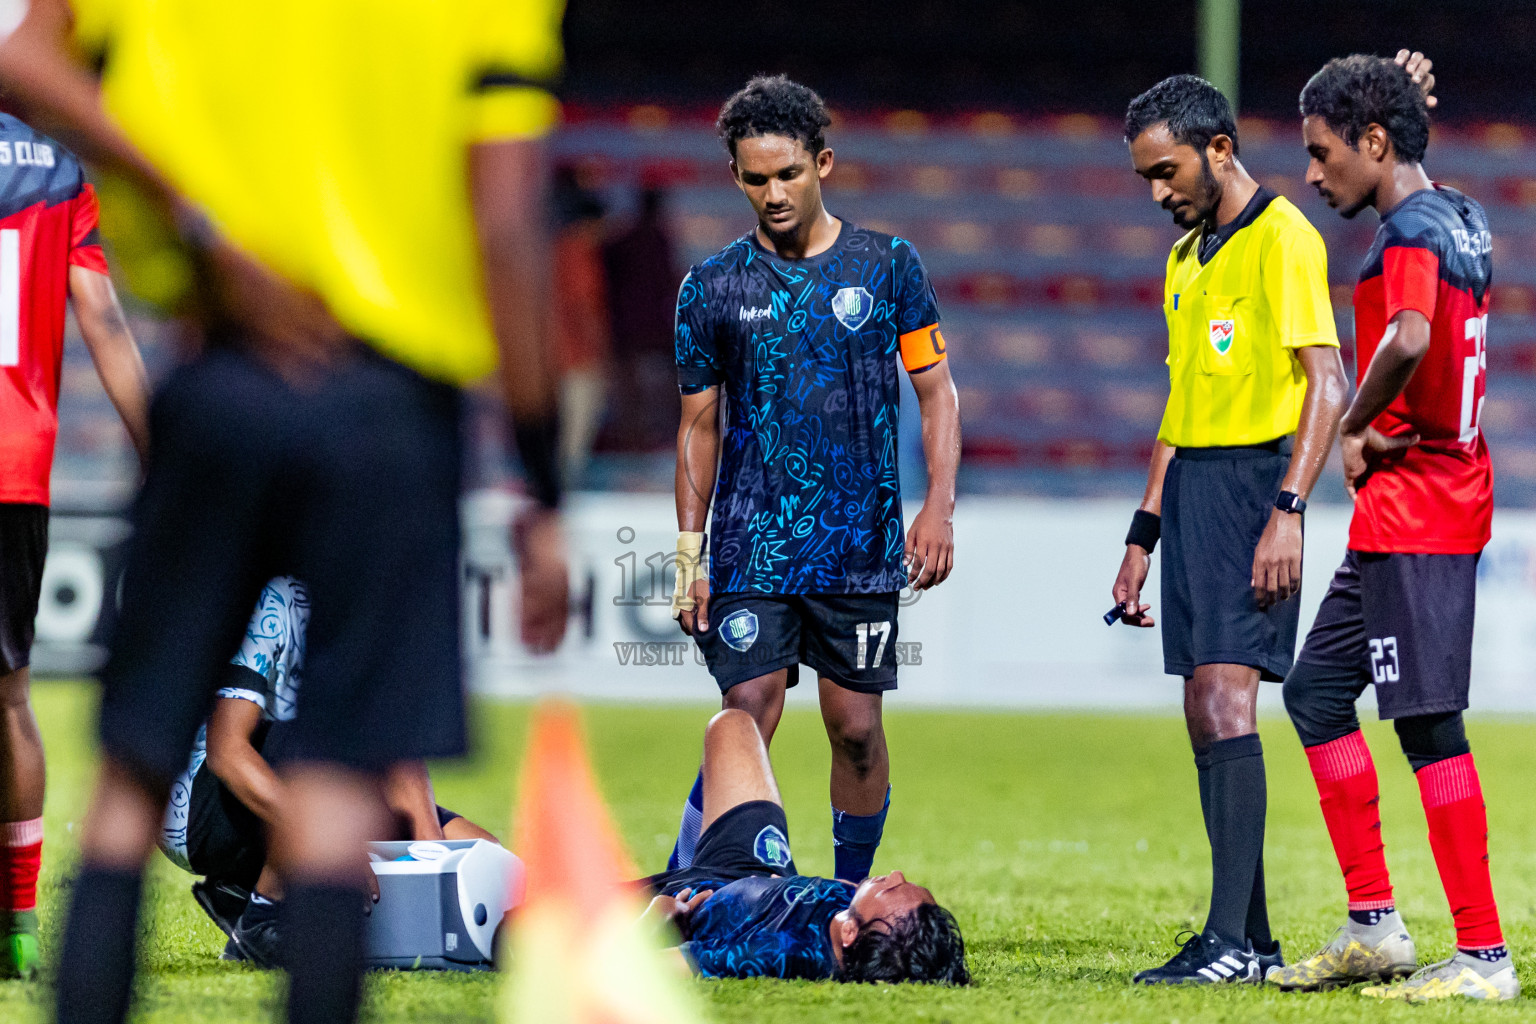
pixel 578 954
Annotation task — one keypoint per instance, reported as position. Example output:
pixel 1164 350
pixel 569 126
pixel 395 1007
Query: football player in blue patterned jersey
pixel 799 327
pixel 743 911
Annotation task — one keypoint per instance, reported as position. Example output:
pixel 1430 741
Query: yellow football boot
pixel 1356 953
pixel 1460 977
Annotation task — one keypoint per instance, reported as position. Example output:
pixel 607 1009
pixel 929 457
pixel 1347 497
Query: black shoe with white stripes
pixel 1206 959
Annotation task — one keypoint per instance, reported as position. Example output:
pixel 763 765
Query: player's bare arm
pixel 930 555
pixel 698 460
pixel 113 350
pixel 666 914
pixel 1402 348
pixel 408 792
pixel 290 326
pixel 507 189
pixel 1277 559
pixel 1138 559
pixel 237 763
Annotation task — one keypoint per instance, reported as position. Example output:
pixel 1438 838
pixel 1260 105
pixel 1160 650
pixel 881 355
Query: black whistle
pixel 1113 615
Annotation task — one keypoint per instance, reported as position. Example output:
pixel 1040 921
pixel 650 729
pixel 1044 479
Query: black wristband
pixel 1146 528
pixel 538 446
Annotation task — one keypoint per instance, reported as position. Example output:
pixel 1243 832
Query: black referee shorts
pixel 1216 503
pixel 352 485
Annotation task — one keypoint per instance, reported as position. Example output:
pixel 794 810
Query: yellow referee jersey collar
pixel 1223 234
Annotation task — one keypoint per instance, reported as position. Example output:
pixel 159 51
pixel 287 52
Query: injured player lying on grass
pixel 223 804
pixel 741 910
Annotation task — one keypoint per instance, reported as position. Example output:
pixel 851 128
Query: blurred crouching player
pixel 799 326
pixel 366 244
pixel 1257 388
pixel 229 798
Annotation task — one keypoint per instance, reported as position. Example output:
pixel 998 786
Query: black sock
pixel 1203 774
pixel 1237 801
pixel 1258 911
pixel 1370 918
pixel 322 932
pixel 1256 927
pixel 96 962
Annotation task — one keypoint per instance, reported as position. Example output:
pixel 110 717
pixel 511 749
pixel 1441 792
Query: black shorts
pixel 848 638
pixel 23 549
pixel 1216 503
pixel 226 841
pixel 749 839
pixel 1404 623
pixel 352 485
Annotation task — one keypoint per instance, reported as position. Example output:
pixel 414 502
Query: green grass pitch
pixel 1070 847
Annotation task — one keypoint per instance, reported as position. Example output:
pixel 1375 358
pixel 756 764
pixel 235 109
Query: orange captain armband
pixel 922 348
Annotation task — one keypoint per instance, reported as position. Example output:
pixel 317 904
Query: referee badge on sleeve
pixel 1221 335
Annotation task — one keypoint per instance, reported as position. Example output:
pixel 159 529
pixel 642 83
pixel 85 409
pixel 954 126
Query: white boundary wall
pixel 1018 624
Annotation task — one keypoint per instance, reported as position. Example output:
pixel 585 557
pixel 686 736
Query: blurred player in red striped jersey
pixel 49 252
pixel 1399 612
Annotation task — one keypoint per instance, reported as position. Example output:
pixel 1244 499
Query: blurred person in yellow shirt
pixel 358 190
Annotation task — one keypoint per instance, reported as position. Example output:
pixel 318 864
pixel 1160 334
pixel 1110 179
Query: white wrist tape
pixel 692 566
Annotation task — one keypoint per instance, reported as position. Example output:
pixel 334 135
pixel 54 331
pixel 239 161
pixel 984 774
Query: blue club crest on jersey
pixel 852 307
pixel 771 847
pixel 739 630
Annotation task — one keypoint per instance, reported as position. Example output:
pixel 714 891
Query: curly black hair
pixel 1194 110
pixel 774 105
pixel 922 945
pixel 1352 93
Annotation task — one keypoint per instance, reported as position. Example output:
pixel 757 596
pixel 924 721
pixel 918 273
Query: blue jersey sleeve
pixel 917 310
pixel 761 955
pixel 698 360
pixel 917 306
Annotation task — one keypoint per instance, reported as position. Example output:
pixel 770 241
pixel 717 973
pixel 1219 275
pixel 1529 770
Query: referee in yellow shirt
pixel 1257 389
pixel 357 186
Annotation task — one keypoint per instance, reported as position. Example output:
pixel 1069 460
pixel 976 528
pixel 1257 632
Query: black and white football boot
pixel 1206 959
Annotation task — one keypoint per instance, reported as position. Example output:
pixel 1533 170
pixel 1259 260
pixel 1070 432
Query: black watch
pixel 1290 502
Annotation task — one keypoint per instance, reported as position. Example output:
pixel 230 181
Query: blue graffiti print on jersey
pixel 807 355
pixel 768 928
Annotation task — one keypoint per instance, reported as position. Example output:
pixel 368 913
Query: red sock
pixel 1458 834
pixel 21 855
pixel 1346 785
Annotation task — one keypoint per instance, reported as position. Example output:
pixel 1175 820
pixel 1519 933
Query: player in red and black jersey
pixel 49 252
pixel 1399 612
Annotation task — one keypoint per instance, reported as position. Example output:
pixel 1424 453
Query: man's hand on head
pixel 1418 67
